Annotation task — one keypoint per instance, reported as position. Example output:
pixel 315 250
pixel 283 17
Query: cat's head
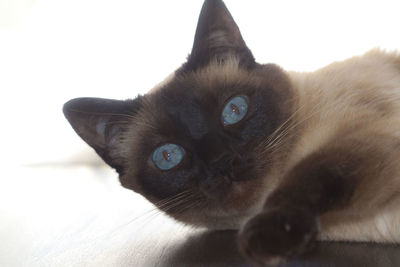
pixel 201 146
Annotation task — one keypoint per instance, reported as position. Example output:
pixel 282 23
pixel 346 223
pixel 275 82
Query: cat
pixel 284 157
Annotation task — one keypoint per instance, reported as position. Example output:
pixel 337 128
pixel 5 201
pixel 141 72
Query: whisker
pixel 282 132
pixel 117 122
pixel 154 211
pixel 178 206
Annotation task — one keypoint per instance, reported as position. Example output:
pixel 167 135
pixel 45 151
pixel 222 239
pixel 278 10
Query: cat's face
pixel 199 147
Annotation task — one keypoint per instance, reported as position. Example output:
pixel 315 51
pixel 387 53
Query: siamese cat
pixel 284 157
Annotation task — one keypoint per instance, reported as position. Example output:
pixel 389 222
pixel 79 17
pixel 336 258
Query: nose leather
pixel 215 186
pixel 222 165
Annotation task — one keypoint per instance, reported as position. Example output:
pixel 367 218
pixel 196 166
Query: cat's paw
pixel 273 236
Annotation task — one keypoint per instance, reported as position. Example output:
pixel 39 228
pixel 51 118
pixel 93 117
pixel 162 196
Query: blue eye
pixel 235 110
pixel 167 156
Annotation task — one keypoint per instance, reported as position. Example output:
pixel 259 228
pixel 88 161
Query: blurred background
pixel 52 186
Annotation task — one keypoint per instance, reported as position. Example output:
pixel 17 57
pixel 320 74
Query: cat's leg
pixel 326 180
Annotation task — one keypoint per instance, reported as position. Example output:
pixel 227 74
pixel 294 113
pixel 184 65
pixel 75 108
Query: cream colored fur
pixel 361 94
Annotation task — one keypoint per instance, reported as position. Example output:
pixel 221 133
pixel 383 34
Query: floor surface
pixel 81 216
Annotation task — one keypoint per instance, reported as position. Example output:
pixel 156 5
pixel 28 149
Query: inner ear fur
pixel 100 123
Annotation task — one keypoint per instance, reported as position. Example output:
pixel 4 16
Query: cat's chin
pixel 211 222
pixel 223 215
pixel 215 219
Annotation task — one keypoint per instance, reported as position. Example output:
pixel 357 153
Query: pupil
pixel 235 109
pixel 166 155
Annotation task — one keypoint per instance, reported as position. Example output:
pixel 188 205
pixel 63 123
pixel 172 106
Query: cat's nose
pixel 217 182
pixel 222 165
pixel 215 187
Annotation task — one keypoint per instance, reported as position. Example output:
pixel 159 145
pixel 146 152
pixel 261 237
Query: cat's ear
pixel 217 38
pixel 100 123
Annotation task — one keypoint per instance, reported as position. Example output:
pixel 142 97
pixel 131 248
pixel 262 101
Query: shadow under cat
pixel 218 248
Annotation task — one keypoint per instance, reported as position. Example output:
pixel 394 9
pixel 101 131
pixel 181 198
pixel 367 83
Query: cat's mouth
pixel 217 187
pixel 220 201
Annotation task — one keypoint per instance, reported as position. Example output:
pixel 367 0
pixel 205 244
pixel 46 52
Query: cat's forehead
pixel 210 76
pixel 180 107
pixel 192 102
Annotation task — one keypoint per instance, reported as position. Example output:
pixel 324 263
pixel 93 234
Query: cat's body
pixel 284 157
pixel 358 98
